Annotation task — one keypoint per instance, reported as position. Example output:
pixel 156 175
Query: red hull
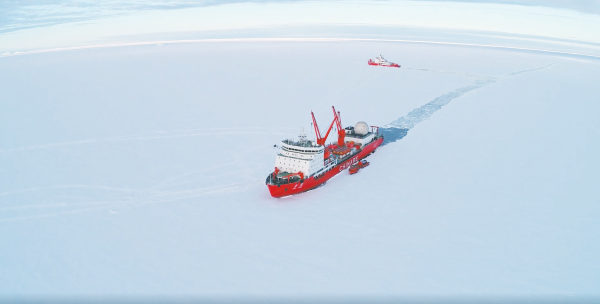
pixel 311 182
pixel 391 65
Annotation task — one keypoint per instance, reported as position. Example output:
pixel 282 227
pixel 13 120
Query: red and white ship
pixel 303 164
pixel 380 61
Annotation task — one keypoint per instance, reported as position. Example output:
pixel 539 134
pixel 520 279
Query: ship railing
pixel 355 135
pixel 279 154
pixel 281 180
pixel 306 144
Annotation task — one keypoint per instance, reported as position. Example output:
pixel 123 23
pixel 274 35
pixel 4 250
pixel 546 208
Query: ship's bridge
pixel 300 156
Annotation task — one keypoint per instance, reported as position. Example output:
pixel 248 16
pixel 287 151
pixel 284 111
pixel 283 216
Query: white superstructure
pixel 300 156
pixel 359 134
pixel 380 61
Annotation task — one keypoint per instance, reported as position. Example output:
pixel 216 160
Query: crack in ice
pixel 424 112
pixel 398 128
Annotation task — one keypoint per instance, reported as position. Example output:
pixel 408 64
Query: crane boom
pixel 321 140
pixel 341 131
pixel 317 132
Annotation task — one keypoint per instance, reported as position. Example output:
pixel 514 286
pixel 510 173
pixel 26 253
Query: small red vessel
pixel 364 163
pixel 359 165
pixel 354 168
pixel 380 61
pixel 303 164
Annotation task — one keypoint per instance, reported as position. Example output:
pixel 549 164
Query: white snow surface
pixel 140 171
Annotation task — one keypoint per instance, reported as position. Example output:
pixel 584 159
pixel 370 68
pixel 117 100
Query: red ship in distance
pixel 380 61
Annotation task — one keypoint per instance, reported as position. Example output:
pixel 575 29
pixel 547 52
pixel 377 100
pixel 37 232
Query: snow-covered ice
pixel 140 171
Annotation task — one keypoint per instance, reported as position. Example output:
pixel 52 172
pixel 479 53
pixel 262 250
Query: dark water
pixel 392 134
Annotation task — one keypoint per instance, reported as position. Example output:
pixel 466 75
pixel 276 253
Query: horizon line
pixel 162 42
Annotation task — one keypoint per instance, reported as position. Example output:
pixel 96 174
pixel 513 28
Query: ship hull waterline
pixel 312 182
pixel 393 65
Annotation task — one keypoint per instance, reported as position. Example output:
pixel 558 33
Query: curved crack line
pixel 146 196
pixel 128 204
pixel 127 138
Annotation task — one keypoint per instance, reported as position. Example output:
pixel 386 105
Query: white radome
pixel 361 128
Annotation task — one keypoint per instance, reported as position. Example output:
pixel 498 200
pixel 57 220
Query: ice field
pixel 139 171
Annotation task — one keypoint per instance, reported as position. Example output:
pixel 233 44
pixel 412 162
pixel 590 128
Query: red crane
pixel 341 131
pixel 321 140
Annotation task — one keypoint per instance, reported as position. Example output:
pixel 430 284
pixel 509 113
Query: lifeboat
pixel 380 61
